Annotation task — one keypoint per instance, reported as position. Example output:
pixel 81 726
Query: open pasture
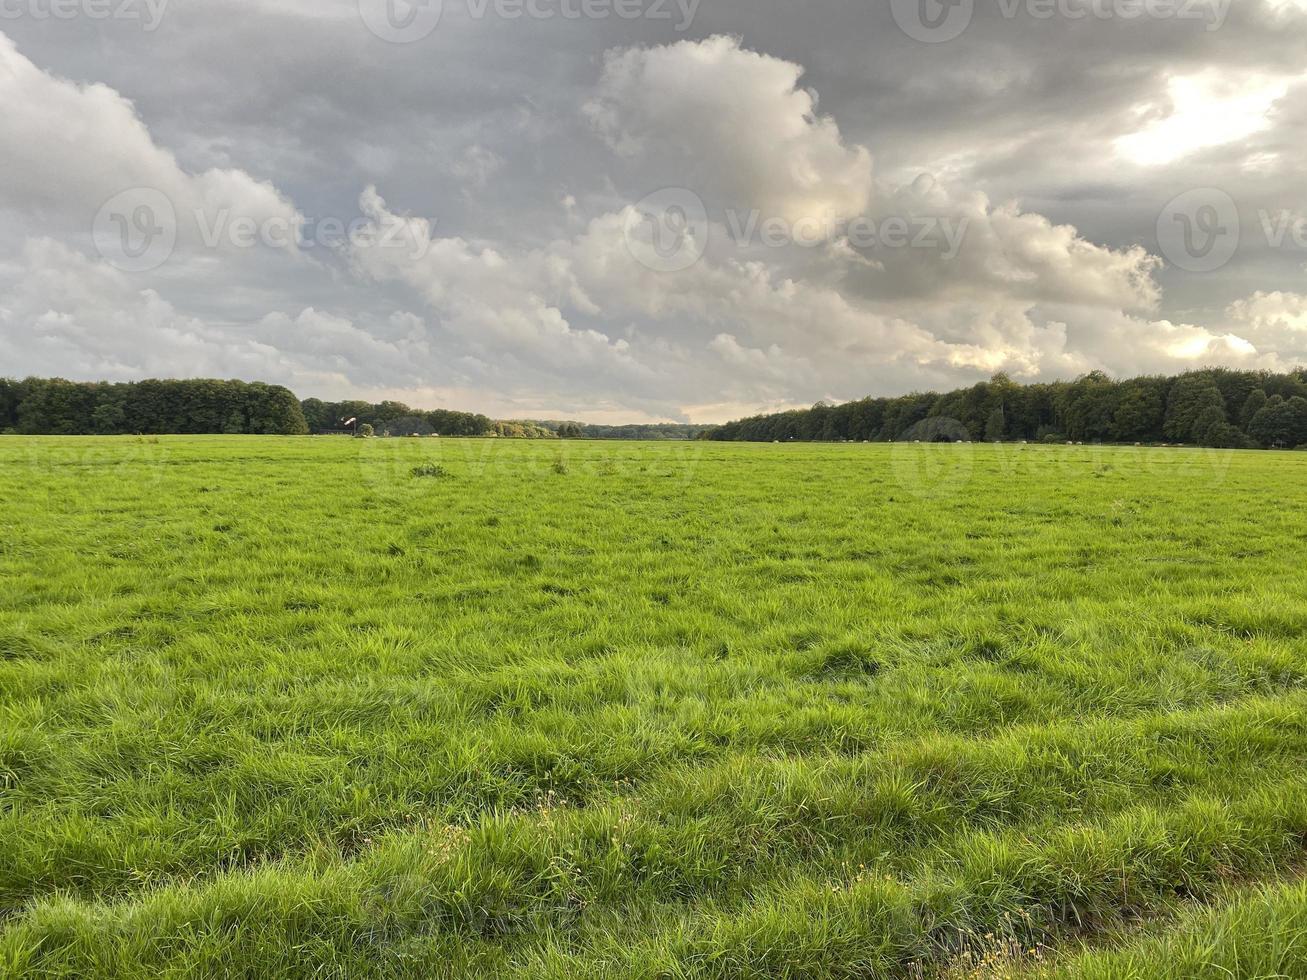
pixel 442 708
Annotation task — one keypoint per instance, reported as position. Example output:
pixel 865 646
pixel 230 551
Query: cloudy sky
pixel 629 210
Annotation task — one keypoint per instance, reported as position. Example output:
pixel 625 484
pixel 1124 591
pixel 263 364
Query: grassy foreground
pixel 436 708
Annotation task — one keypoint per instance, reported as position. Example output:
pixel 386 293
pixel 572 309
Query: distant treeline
pixel 1213 407
pixel 53 406
pixel 393 419
pixel 662 431
pixel 398 419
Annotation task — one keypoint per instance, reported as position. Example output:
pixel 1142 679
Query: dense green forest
pixel 1213 407
pixel 393 419
pixel 40 406
pixel 53 406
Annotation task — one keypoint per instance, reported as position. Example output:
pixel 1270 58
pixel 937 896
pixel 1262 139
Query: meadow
pixel 321 707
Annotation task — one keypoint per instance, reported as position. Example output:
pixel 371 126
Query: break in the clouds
pixel 639 209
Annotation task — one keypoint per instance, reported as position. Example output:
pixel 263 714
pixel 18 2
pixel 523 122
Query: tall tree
pixel 1192 395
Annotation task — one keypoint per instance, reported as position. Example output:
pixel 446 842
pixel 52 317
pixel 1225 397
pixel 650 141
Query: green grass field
pixel 282 708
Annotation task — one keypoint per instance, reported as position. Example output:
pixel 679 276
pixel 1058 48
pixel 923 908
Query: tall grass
pixel 286 708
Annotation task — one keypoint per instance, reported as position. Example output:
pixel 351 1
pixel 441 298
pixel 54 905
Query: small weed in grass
pixel 429 470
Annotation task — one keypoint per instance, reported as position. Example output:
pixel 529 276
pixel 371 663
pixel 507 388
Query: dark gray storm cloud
pixel 628 209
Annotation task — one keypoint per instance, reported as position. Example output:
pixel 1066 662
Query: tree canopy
pixel 1211 407
pixel 393 418
pixel 53 406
